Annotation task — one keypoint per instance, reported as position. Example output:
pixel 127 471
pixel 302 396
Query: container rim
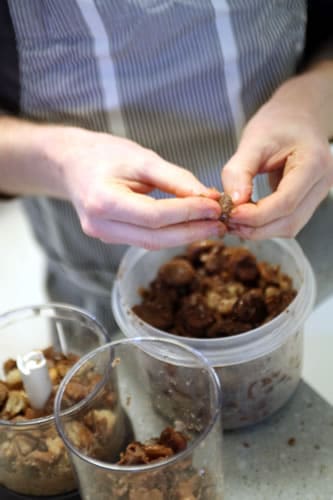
pixel 50 310
pixel 202 363
pixel 236 349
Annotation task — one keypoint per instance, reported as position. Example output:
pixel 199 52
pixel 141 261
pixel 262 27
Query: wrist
pixel 310 97
pixel 27 163
pixel 50 149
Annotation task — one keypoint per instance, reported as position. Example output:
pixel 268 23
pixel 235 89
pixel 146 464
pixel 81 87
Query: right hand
pixel 108 179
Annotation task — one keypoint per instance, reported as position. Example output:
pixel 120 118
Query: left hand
pixel 289 145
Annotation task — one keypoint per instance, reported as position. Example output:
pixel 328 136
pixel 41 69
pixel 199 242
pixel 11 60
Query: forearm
pixel 310 94
pixel 26 167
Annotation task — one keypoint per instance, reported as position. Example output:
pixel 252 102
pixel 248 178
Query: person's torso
pixel 179 77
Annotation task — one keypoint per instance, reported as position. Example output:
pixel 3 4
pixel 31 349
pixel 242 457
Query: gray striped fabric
pixel 179 77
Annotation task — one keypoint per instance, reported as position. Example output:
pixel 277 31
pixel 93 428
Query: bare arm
pixel 312 92
pixel 25 166
pixel 108 180
pixel 288 139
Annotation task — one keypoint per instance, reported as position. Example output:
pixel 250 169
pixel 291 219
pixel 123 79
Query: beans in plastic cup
pixel 259 369
pixel 127 440
pixel 33 458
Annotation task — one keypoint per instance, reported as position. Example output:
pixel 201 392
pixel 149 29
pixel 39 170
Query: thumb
pixel 238 174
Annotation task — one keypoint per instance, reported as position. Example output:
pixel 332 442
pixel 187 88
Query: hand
pixel 108 179
pixel 290 146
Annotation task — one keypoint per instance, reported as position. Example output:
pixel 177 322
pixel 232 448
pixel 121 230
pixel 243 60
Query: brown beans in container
pixel 33 460
pixel 214 291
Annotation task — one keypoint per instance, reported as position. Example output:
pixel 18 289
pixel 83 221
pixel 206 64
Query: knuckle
pixel 92 206
pixel 187 214
pixel 327 183
pixel 329 173
pixel 153 219
pixel 289 204
pixel 322 155
pixel 149 220
pixel 194 232
pixel 258 219
pixel 89 228
pixel 290 228
pixel 146 159
pixel 228 170
pixel 141 161
pixel 151 156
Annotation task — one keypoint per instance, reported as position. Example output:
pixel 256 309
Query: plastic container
pixel 259 369
pixel 33 459
pixel 129 375
pixel 6 494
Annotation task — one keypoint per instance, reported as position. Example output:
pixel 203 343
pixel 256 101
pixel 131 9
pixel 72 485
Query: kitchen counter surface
pixel 288 457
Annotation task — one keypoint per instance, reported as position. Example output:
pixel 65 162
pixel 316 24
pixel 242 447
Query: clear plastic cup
pixel 33 459
pixel 130 402
pixel 259 369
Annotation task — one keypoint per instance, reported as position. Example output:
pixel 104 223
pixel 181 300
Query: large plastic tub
pixel 259 369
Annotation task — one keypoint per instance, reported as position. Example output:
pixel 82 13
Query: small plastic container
pixel 33 459
pixel 259 369
pixel 142 377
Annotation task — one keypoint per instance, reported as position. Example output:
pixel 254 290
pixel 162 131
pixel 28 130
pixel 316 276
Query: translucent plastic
pixel 33 459
pixel 139 391
pixel 259 369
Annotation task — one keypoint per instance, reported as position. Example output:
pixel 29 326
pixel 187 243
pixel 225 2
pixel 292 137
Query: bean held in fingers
pixel 226 205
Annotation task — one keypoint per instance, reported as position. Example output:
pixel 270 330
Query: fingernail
pixel 235 196
pixel 213 189
pixel 243 193
pixel 214 192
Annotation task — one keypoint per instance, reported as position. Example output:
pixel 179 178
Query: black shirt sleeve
pixel 9 64
pixel 319 30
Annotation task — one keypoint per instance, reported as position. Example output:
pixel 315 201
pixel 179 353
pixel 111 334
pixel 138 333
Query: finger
pixel 175 235
pixel 297 182
pixel 120 204
pixel 173 179
pixel 274 178
pixel 290 225
pixel 136 186
pixel 238 174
